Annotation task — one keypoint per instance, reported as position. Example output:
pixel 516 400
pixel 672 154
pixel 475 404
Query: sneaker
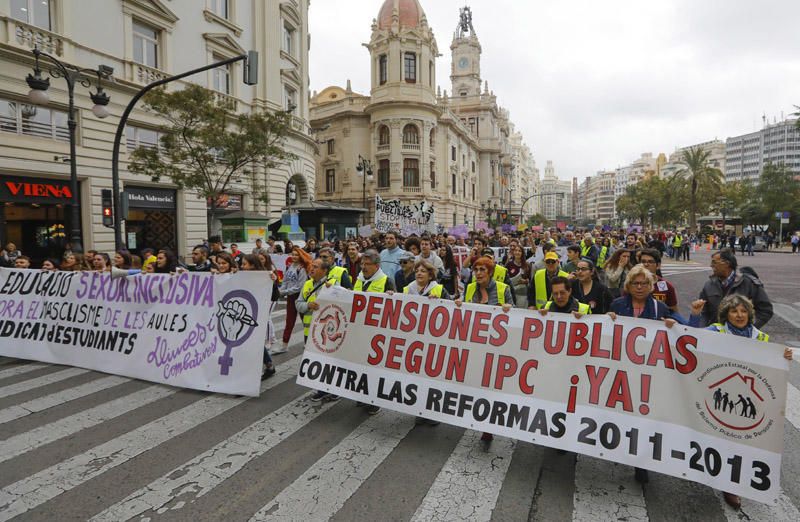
pixel 372 409
pixel 267 373
pixel 331 398
pixel 279 350
pixel 319 396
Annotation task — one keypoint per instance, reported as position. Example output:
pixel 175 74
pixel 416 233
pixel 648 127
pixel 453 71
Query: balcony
pixel 142 74
pixel 412 190
pixel 411 146
pixel 384 148
pixel 227 101
pixel 21 34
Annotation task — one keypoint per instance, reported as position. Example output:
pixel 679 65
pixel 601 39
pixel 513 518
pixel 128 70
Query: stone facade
pixel 458 151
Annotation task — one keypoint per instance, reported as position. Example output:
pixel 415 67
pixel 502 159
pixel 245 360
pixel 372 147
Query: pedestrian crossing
pixel 671 269
pixel 111 448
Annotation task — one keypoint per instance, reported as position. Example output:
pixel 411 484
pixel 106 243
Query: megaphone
pixel 123 272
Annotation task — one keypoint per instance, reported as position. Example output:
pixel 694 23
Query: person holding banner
pixel 563 302
pixel 425 283
pixel 639 302
pixel 373 279
pixel 338 273
pixel 736 317
pixel 485 290
pixel 539 290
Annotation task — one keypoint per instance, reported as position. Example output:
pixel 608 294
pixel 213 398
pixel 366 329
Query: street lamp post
pixel 38 96
pixel 364 169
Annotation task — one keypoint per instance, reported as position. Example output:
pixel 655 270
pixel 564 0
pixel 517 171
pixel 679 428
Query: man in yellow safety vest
pixel 539 288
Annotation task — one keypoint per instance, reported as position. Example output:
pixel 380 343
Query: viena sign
pixel 34 190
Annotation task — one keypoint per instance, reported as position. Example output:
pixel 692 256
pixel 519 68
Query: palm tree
pixel 698 174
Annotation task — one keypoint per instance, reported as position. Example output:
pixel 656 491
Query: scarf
pixel 747 331
pixel 413 288
pixel 366 282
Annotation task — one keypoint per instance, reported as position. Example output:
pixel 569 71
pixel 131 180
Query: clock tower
pixel 465 75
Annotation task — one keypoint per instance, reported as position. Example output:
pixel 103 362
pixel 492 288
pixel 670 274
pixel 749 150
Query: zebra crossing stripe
pixel 192 480
pixel 55 399
pixel 324 487
pixel 469 483
pixel 19 370
pixel 793 405
pixel 32 491
pixel 32 384
pixel 37 437
pixel 606 491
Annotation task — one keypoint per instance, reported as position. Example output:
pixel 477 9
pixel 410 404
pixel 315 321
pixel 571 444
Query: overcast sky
pixel 593 84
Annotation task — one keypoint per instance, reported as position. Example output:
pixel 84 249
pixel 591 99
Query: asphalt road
pixel 78 445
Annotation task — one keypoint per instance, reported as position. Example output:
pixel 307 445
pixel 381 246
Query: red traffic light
pixel 107 212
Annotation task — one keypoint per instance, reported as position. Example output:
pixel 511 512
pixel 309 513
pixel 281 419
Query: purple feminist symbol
pixel 236 314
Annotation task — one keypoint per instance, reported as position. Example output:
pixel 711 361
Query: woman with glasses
pixel 486 291
pixel 639 302
pixel 588 289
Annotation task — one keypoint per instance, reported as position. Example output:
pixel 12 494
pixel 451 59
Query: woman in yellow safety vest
pixel 736 316
pixel 425 283
pixel 487 291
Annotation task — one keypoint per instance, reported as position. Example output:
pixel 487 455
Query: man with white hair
pixel 588 248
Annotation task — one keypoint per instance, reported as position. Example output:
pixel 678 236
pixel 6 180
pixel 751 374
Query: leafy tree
pixel 206 146
pixel 537 219
pixel 778 191
pixel 699 175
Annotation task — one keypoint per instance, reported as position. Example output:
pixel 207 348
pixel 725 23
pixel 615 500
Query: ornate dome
pixel 409 12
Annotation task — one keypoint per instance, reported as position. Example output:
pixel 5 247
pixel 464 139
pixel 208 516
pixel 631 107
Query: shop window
pixel 383 173
pixel 34 12
pixel 410 172
pixel 145 44
pixel 32 120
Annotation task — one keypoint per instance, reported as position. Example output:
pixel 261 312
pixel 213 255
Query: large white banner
pixel 394 216
pixel 193 330
pixel 682 401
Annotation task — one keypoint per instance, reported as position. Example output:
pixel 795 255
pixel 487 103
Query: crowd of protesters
pixel 601 272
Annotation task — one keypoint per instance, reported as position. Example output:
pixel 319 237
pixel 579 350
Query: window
pixel 473 192
pixel 453 183
pixel 222 77
pixel 453 152
pixel 410 67
pixel 145 44
pixel 383 69
pixel 220 8
pixel 383 173
pixel 430 73
pixel 433 138
pixel 410 135
pixel 30 120
pixel 473 166
pixel 141 137
pixel 433 175
pixel 330 181
pixel 34 12
pixel 331 147
pixel 464 188
pixel 288 40
pixel 410 172
pixel 290 99
pixel 383 135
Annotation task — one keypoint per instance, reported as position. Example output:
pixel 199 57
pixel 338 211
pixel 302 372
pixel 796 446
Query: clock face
pixel 463 63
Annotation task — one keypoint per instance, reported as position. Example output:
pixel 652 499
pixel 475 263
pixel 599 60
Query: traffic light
pixel 108 212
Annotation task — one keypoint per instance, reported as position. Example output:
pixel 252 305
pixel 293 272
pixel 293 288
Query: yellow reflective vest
pixel 540 282
pixel 309 297
pixel 582 307
pixel 336 272
pixel 499 274
pixel 473 287
pixel 377 287
pixel 601 259
pixel 436 291
pixel 758 335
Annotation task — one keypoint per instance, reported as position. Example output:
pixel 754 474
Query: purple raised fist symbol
pixel 236 321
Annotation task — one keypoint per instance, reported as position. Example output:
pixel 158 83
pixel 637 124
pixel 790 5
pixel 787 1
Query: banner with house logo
pixel 396 216
pixel 686 402
pixel 192 330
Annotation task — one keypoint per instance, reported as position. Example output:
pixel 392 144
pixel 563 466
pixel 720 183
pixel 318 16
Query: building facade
pixel 457 151
pixel 596 199
pixel 143 40
pixel 556 200
pixel 776 143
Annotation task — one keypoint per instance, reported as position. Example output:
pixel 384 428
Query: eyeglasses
pixel 583 269
pixel 551 262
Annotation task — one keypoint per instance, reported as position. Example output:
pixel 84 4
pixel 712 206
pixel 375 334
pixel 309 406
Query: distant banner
pixel 192 330
pixel 686 402
pixel 393 215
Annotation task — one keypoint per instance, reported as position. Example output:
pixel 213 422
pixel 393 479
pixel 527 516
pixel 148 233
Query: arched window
pixel 410 67
pixel 383 173
pixel 433 138
pixel 383 135
pixel 410 172
pixel 410 135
